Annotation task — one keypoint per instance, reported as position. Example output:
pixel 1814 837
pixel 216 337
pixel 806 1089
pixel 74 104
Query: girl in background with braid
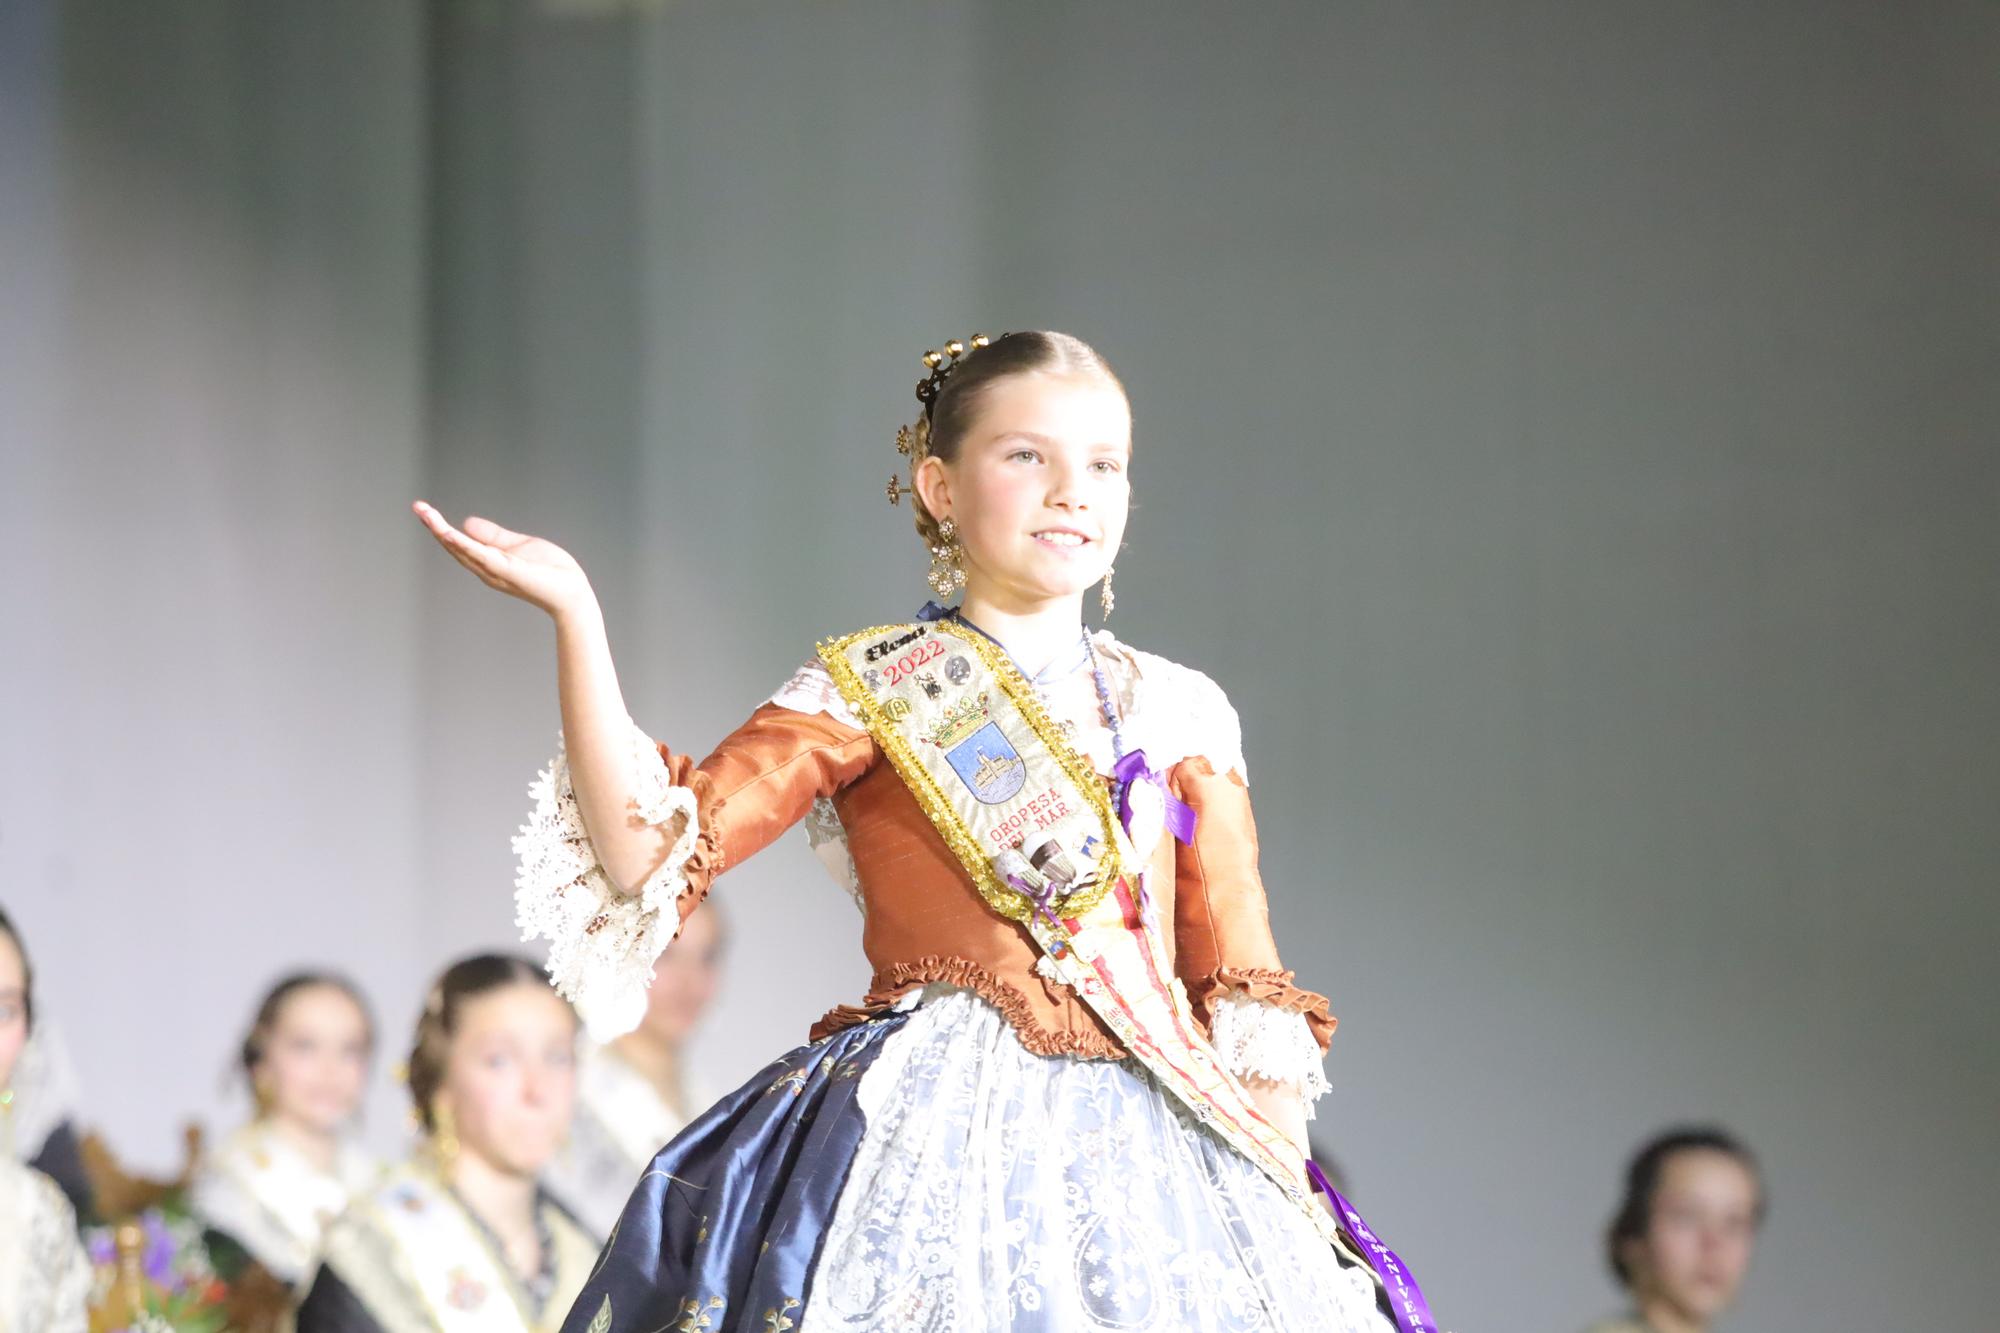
pixel 463 1237
pixel 1075 1095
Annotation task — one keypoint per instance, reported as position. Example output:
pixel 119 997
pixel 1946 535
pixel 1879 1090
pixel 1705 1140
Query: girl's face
pixel 13 1007
pixel 1041 486
pixel 1697 1244
pixel 315 1064
pixel 510 1077
pixel 684 979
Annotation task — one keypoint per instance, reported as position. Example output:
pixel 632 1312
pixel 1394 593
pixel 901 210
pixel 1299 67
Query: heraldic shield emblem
pixel 987 763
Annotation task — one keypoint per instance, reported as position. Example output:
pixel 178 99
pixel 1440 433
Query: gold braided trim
pixel 999 895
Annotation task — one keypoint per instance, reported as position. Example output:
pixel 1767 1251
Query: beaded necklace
pixel 538 1285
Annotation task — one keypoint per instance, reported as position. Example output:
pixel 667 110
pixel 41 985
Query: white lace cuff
pixel 602 943
pixel 1258 1040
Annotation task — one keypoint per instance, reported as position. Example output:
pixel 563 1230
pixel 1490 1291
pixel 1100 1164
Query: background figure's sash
pixel 1032 823
pixel 445 1260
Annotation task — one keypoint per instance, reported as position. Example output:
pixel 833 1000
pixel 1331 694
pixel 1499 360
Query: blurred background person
pixel 269 1191
pixel 43 1115
pixel 463 1235
pixel 1681 1240
pixel 634 1093
pixel 44 1276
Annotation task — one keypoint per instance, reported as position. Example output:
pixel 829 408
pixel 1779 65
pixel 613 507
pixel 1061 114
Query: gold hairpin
pixel 940 363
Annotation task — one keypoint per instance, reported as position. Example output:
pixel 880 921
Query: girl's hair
pixel 8 929
pixel 1642 1185
pixel 464 980
pixel 940 430
pixel 256 1042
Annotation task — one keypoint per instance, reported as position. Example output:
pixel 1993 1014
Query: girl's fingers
pixel 490 564
pixel 438 526
pixel 458 543
pixel 484 559
pixel 481 560
pixel 462 544
pixel 486 530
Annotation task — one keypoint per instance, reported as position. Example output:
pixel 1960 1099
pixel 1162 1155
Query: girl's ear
pixel 1633 1251
pixel 932 482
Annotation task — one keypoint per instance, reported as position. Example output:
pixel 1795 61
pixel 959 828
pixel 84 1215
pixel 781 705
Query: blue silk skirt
pixel 926 1173
pixel 723 1229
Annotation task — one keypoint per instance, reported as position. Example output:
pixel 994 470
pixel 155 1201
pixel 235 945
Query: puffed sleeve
pixel 756 784
pixel 1262 1025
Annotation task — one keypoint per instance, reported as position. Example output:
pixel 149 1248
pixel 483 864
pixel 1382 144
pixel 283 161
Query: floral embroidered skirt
pixel 924 1171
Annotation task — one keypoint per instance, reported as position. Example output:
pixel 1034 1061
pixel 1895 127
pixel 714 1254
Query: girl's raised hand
pixel 536 571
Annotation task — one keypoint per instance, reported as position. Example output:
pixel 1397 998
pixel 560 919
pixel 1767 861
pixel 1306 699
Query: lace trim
pixel 993 1189
pixel 811 690
pixel 897 980
pixel 602 943
pixel 1259 1040
pixel 828 838
pixel 1178 711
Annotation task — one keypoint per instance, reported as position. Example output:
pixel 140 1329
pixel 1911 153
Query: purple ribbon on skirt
pixel 1132 768
pixel 1406 1298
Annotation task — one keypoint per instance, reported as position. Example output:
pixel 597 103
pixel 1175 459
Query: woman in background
pixel 41 1122
pixel 44 1276
pixel 271 1189
pixel 634 1092
pixel 1681 1240
pixel 463 1236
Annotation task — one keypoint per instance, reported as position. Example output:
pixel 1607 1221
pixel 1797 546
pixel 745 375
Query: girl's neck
pixel 1034 632
pixel 504 1201
pixel 316 1146
pixel 1660 1316
pixel 656 1061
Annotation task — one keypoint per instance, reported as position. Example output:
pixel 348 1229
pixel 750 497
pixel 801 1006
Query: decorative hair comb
pixel 931 385
pixel 940 364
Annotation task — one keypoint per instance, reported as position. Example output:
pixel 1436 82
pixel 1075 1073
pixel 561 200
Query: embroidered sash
pixel 1032 824
pixel 462 1283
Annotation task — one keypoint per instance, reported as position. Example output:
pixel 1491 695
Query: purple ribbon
pixel 1406 1298
pixel 1132 768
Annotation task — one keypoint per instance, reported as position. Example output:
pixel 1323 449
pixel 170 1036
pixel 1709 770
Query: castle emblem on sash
pixel 978 751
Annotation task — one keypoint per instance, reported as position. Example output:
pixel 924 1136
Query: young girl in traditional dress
pixel 44 1275
pixel 1075 1096
pixel 463 1237
pixel 267 1193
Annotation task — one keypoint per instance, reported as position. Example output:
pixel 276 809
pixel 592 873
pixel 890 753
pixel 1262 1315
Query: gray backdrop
pixel 1567 429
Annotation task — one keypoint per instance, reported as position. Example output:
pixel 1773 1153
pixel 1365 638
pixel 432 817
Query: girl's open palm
pixel 537 571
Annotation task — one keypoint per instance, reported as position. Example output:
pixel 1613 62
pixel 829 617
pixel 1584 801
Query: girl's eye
pixel 1106 466
pixel 1028 454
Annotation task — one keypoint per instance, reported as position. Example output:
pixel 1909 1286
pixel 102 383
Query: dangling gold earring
pixel 260 1094
pixel 947 561
pixel 444 1140
pixel 1106 599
